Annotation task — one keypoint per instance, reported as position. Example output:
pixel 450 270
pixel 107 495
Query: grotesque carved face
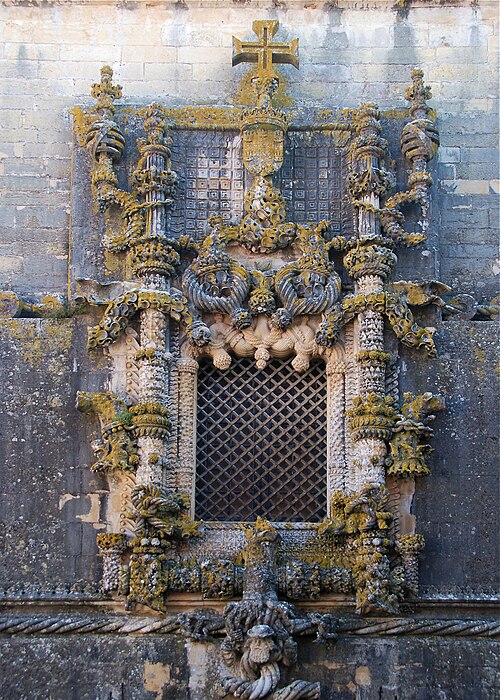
pixel 200 334
pixel 260 644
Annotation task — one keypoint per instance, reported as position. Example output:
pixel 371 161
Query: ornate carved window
pixel 298 408
pixel 261 442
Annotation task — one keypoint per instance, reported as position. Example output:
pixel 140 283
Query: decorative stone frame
pixel 342 384
pixel 299 353
pixel 300 311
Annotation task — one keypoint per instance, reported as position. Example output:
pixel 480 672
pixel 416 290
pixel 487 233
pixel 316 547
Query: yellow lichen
pixel 41 342
pixel 245 94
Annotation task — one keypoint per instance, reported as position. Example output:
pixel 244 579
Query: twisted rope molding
pixel 123 625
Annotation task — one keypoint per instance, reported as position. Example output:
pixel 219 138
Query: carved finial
pixel 155 124
pixel 264 52
pixel 420 137
pixel 418 94
pixel 366 120
pixel 105 93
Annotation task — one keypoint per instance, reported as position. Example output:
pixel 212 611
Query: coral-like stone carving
pixel 216 282
pixel 160 519
pixel 408 451
pixel 393 306
pixel 361 523
pixel 308 285
pixel 120 311
pixel 117 449
pixel 259 628
pixel 372 416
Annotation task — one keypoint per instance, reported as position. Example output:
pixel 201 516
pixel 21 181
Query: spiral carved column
pixel 153 259
pixel 369 262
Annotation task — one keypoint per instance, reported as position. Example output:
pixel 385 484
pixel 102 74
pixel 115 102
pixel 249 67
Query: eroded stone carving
pixel 264 287
pixel 407 449
pixel 259 628
pixel 117 449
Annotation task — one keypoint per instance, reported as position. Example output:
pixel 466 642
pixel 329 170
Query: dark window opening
pixel 261 442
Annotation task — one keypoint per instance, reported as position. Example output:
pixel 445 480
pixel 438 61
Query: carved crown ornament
pixel 267 286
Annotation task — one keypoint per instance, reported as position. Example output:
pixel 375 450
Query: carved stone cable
pixel 15 624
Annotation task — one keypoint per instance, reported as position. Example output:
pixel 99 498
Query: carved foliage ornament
pixel 234 301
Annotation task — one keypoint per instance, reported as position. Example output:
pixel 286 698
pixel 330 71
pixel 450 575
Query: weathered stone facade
pixel 64 588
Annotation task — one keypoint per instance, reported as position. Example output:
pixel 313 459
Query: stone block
pixel 22 51
pixel 11 264
pixel 168 71
pixel 480 155
pixel 477 171
pixel 148 54
pixel 203 54
pixel 106 53
pixel 449 154
pixel 370 35
pixel 466 186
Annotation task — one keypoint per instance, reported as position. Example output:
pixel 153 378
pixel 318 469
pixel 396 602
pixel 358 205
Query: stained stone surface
pixel 50 501
pixel 163 668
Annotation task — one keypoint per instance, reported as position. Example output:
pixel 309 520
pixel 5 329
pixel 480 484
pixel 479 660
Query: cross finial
pixel 106 92
pixel 264 52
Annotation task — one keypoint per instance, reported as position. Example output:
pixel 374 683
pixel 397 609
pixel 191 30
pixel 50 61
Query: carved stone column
pixel 153 260
pixel 151 416
pixel 335 372
pixel 369 263
pixel 111 547
pixel 187 372
pixel 410 547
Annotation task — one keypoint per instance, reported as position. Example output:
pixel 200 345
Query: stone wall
pixel 152 668
pixel 51 505
pixel 181 53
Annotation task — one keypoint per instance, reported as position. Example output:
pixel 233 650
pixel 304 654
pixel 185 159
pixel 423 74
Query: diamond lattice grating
pixel 261 442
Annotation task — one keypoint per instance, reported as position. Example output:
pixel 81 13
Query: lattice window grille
pixel 261 442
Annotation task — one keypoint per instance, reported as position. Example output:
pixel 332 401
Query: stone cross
pixel 264 52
